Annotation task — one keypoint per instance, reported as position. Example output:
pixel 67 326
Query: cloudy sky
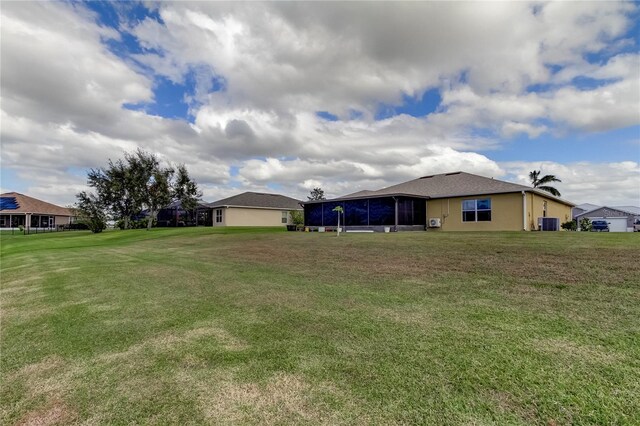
pixel 284 97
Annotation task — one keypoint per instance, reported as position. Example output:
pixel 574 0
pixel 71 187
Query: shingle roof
pixel 630 210
pixel 257 200
pixel 446 185
pixel 28 204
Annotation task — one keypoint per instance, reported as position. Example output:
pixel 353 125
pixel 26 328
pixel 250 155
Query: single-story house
pixel 254 209
pixel 456 201
pixel 21 210
pixel 620 218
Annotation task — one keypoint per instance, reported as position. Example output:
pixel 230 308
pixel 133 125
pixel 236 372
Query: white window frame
pixel 218 215
pixel 285 217
pixel 476 210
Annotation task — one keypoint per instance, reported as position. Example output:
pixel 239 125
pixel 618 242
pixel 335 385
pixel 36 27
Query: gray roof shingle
pixel 257 200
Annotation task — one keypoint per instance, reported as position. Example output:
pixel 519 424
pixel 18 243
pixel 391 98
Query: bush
pixel 136 224
pixel 585 224
pixel 571 225
pixel 297 218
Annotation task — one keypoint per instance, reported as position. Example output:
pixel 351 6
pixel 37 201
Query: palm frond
pixel 550 189
pixel 548 179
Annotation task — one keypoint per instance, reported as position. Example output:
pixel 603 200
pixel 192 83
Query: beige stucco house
pixel 254 209
pixel 21 210
pixel 455 201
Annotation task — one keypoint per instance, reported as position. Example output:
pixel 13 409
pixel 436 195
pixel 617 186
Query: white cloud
pixel 63 91
pixel 587 182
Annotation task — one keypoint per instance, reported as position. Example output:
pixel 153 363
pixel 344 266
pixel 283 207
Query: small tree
pixel 316 194
pixel 297 217
pixel 340 211
pixel 91 212
pixel 585 224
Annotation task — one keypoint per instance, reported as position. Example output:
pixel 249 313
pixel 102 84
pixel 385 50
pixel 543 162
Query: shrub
pixel 297 218
pixel 571 225
pixel 585 224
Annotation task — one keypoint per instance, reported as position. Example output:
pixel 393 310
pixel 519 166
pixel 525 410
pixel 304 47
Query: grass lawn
pixel 200 325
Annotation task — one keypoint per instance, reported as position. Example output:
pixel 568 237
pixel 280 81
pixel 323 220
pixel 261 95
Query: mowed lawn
pixel 191 326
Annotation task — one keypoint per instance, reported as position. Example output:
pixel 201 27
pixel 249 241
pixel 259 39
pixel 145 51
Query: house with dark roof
pixel 254 209
pixel 619 218
pixel 456 201
pixel 21 210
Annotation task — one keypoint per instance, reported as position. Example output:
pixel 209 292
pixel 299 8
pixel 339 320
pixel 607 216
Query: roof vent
pixel 427 177
pixel 451 174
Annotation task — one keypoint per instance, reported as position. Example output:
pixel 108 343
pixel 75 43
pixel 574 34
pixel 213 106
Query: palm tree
pixel 541 182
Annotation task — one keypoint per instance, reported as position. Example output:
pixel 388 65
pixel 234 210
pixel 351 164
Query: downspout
pixel 524 211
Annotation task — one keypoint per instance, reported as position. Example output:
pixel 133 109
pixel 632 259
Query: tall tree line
pixel 128 186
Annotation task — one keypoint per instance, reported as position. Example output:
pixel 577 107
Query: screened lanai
pixel 374 213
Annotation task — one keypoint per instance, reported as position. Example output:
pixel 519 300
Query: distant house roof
pixel 587 207
pixel 14 202
pixel 629 210
pixel 258 200
pixel 446 185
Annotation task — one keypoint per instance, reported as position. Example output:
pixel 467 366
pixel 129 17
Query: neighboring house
pixel 450 202
pixel 581 208
pixel 20 210
pixel 254 209
pixel 620 218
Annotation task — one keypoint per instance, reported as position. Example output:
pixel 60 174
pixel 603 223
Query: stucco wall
pixel 235 216
pixel 506 212
pixel 535 209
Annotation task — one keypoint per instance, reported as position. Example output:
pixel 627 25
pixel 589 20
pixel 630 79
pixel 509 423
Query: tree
pixel 91 212
pixel 541 182
pixel 139 181
pixel 117 190
pixel 186 190
pixel 297 218
pixel 316 194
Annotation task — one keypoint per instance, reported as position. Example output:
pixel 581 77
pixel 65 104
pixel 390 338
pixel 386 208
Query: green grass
pixel 258 326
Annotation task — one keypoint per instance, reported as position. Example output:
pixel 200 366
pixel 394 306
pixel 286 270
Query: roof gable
pixel 259 200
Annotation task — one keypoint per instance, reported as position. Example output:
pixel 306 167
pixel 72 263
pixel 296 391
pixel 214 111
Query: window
pixel 476 210
pixel 219 216
pixel 544 209
pixel 285 217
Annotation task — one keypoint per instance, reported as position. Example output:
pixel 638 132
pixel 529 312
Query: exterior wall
pixel 506 212
pixel 236 216
pixel 535 209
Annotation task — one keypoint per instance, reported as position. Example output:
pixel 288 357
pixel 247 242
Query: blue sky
pixel 335 96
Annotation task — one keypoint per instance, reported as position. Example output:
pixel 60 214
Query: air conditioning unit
pixel 549 224
pixel 434 222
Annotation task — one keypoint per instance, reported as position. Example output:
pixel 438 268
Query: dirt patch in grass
pixel 586 353
pixel 167 341
pixel 283 399
pixel 55 413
